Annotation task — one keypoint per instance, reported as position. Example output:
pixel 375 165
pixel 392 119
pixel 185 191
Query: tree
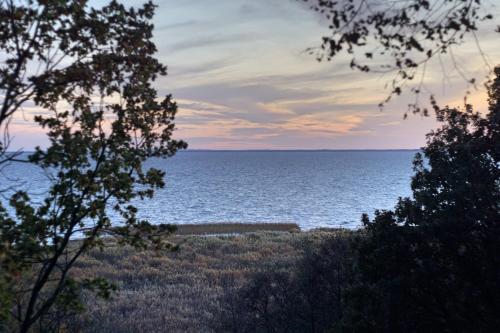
pixel 103 119
pixel 400 36
pixel 432 264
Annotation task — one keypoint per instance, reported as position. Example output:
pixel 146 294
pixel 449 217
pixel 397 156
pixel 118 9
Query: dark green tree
pixel 91 71
pixel 432 264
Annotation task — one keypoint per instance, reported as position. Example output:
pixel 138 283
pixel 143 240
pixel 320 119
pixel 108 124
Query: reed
pixel 180 291
pixel 233 228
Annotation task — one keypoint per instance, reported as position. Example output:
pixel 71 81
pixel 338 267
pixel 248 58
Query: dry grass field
pixel 233 228
pixel 180 291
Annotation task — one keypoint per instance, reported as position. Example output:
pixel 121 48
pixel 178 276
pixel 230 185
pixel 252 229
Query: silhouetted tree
pixel 400 36
pixel 91 71
pixel 433 264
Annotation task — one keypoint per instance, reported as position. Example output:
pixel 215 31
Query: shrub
pixel 308 298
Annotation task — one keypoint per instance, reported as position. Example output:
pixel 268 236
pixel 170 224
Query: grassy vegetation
pixel 181 291
pixel 233 228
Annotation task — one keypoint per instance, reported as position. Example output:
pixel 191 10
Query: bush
pixel 309 298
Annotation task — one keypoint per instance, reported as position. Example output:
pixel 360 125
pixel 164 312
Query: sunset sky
pixel 243 81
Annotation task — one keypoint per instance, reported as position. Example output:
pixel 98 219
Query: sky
pixel 242 79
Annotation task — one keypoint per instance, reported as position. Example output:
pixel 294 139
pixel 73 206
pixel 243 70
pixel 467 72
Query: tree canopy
pixel 401 37
pixel 432 263
pixel 90 72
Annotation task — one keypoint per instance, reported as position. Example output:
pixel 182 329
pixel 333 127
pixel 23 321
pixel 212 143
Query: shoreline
pixel 233 228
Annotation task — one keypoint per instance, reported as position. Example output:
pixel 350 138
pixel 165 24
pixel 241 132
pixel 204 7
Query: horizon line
pixel 270 150
pixel 300 149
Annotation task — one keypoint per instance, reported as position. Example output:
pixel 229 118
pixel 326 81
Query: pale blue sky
pixel 243 81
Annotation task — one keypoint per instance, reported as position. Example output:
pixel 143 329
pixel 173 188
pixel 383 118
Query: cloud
pixel 176 25
pixel 320 125
pixel 391 123
pixel 241 79
pixel 198 105
pixel 237 91
pixel 203 123
pixel 252 112
pixel 198 70
pixel 207 40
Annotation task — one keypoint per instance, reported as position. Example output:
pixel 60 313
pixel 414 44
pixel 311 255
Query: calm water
pixel 311 188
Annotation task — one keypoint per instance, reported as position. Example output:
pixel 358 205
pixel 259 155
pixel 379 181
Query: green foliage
pixel 432 264
pixel 104 119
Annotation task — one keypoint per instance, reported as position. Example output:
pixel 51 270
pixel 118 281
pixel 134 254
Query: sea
pixel 314 189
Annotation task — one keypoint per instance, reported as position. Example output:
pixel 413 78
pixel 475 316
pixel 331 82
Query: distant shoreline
pixel 297 150
pixel 269 150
